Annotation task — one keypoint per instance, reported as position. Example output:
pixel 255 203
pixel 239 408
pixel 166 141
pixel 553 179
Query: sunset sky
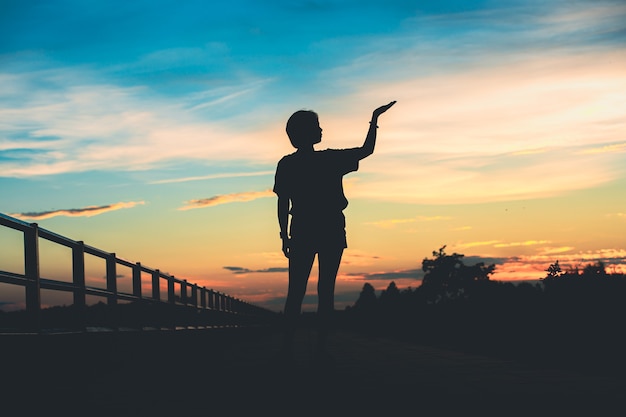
pixel 152 129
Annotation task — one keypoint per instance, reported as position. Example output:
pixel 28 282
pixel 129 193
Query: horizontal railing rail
pixel 193 306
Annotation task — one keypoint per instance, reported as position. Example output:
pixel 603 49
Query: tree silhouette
pixel 391 295
pixel 597 269
pixel 367 300
pixel 447 277
pixel 570 319
pixel 554 271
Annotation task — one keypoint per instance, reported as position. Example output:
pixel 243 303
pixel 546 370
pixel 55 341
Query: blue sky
pixel 116 117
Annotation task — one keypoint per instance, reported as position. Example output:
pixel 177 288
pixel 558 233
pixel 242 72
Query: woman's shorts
pixel 319 233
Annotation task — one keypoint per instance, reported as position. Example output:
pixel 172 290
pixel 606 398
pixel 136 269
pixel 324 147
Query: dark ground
pixel 235 372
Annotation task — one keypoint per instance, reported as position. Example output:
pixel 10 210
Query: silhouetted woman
pixel 311 201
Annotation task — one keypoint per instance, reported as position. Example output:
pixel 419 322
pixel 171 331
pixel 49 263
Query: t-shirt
pixel 313 181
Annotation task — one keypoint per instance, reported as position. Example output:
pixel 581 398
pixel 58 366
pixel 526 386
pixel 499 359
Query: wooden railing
pixel 183 304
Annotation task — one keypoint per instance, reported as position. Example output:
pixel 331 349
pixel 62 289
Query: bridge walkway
pixel 238 372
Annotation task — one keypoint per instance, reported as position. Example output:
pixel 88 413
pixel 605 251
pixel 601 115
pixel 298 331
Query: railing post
pixel 203 298
pixel 171 299
pixel 194 304
pixel 111 266
pixel 184 310
pixel 211 299
pixel 31 271
pixel 203 304
pixel 194 295
pixel 78 278
pixel 137 280
pixel 156 289
pixel 111 271
pixel 140 308
pixel 171 296
pixel 183 292
pixel 78 273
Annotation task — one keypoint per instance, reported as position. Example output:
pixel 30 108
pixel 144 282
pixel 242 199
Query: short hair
pixel 299 127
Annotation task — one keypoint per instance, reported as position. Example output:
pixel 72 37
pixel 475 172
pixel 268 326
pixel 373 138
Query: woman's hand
pixel 381 110
pixel 286 247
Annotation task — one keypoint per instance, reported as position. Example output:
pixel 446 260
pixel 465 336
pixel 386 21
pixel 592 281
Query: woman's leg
pixel 300 264
pixel 329 261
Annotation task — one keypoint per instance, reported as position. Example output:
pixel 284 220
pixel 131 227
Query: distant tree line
pixel 570 318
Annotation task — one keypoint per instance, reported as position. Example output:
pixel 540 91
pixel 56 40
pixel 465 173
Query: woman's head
pixel 303 129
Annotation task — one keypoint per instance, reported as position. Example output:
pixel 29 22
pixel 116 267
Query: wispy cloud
pixel 461 228
pixel 593 18
pixel 524 243
pixel 78 212
pixel 555 250
pixel 213 177
pixel 529 152
pixel 82 122
pixel 612 148
pixel 390 223
pixel 226 198
pixel 477 243
pixel 534 266
pixel 475 136
pixel 355 257
pixel 230 96
pixel 500 244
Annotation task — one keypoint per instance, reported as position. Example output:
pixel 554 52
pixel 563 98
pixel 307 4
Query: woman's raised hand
pixel 382 109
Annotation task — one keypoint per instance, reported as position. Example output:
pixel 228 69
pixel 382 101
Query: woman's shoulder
pixel 287 157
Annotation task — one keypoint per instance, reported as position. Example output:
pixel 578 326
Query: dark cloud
pixel 473 260
pixel 276 269
pixel 416 274
pixel 237 269
pixel 8 306
pixel 241 270
pixel 77 212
